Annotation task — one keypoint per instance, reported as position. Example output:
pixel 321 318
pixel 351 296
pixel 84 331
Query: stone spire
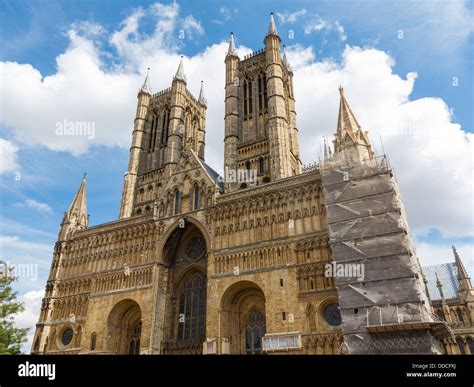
pixel 146 84
pixel 464 279
pixel 202 97
pixel 347 124
pixel 272 30
pixel 75 218
pixel 180 75
pixel 444 304
pixel 231 50
pixel 349 137
pixel 326 154
pixel 78 208
pixel 440 287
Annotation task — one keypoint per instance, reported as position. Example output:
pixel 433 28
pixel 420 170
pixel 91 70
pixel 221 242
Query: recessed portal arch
pixel 124 328
pixel 243 319
pixel 185 259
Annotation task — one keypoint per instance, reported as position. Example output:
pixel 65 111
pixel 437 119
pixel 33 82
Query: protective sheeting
pixel 382 296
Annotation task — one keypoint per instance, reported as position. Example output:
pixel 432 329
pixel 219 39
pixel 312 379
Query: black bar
pixel 384 370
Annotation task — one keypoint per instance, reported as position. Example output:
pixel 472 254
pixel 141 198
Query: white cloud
pixel 291 17
pixel 316 24
pixel 431 155
pixel 8 156
pixel 8 239
pixel 192 27
pixel 340 29
pixel 29 317
pixel 226 15
pixel 88 28
pixel 35 205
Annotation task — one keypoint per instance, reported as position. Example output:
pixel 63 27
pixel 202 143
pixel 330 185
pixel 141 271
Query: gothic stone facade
pixel 195 264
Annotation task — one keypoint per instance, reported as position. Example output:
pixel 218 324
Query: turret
pixel 444 304
pixel 130 177
pixel 75 218
pixel 231 117
pixel 201 133
pixel 464 279
pixel 278 125
pixel 176 123
pixel 293 130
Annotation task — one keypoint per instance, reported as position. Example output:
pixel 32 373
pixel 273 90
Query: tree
pixel 11 338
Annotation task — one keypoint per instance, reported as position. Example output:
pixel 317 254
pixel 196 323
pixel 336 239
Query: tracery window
pixel 255 329
pixel 332 314
pixel 134 344
pixel 177 202
pixel 192 308
pixel 265 101
pixel 165 127
pixel 195 197
pixel 66 337
pixel 262 92
pixel 153 132
pixel 247 166
pixel 247 97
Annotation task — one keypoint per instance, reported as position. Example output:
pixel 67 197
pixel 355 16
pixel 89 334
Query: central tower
pixel 260 117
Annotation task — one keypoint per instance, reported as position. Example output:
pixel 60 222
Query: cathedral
pixel 271 258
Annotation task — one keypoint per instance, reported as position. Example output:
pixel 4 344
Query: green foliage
pixel 11 338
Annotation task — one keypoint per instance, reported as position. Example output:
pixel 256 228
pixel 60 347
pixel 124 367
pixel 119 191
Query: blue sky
pixel 407 68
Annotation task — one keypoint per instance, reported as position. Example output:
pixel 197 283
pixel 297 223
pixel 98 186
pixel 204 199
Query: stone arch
pixel 175 227
pixel 123 322
pixel 184 253
pixel 243 317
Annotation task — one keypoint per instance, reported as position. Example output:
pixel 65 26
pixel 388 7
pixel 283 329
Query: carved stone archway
pixel 124 328
pixel 243 319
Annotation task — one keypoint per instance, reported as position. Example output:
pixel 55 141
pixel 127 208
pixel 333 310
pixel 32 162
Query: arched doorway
pixel 185 257
pixel 243 319
pixel 124 328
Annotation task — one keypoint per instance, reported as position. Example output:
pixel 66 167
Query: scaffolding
pixel 386 310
